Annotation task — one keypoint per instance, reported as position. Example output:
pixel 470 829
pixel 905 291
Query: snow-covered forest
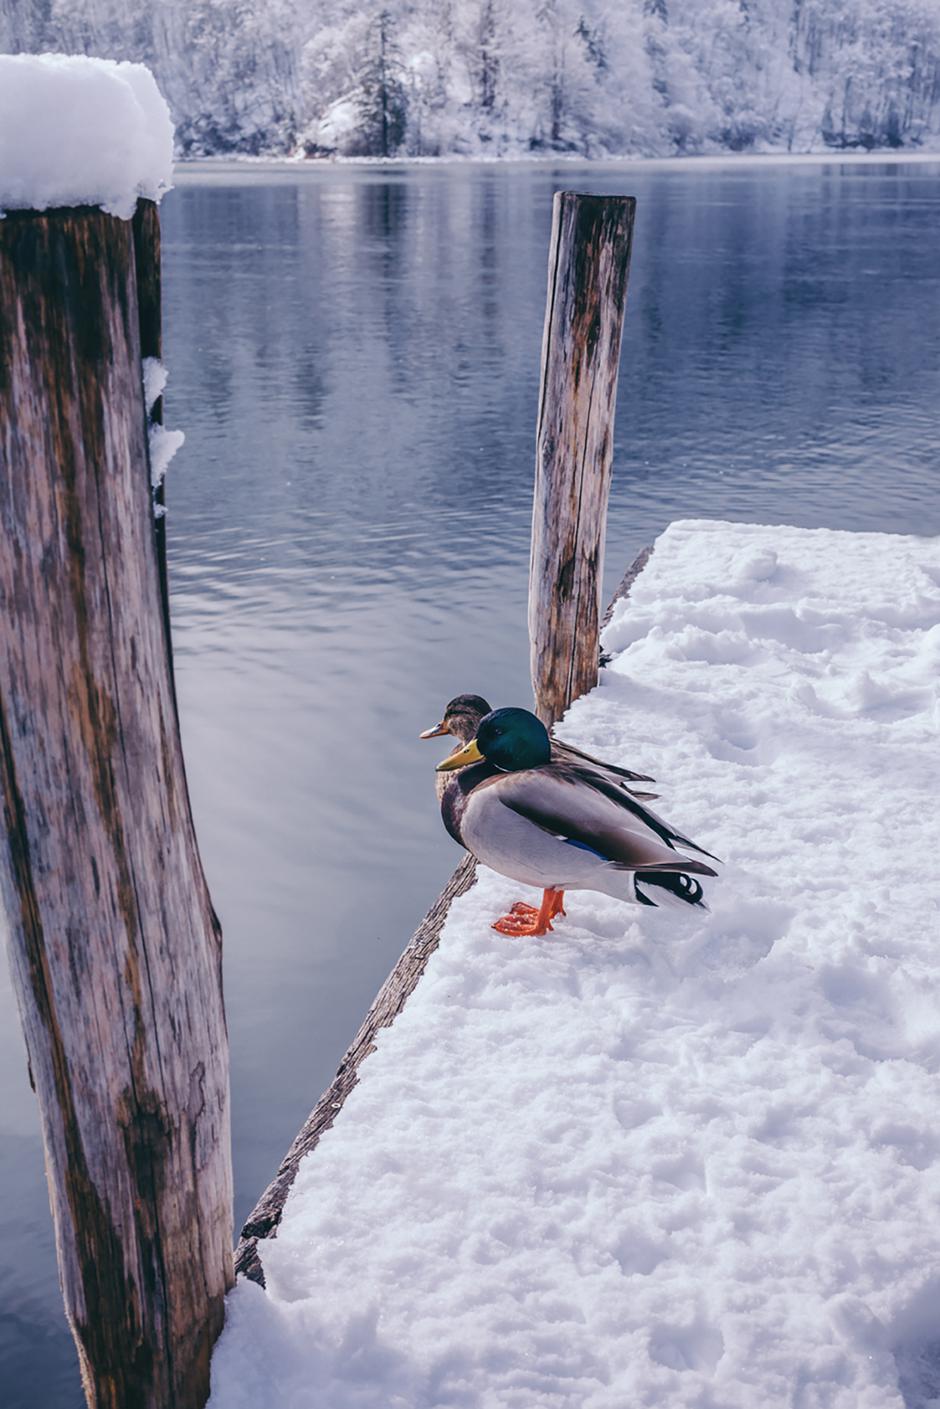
pixel 490 77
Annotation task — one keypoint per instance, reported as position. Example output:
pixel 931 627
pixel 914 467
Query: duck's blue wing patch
pixel 583 846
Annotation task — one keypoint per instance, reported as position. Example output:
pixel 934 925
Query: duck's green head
pixel 511 739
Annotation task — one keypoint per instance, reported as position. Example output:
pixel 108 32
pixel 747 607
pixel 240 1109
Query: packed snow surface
pixel 658 1159
pixel 81 131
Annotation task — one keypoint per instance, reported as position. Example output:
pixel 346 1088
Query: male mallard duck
pixel 558 825
pixel 462 716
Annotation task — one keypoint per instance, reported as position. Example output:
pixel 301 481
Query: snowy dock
pixel 660 1160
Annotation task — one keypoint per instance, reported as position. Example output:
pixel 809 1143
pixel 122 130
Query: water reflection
pixel 354 358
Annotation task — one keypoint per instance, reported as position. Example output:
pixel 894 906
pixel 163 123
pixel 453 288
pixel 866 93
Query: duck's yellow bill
pixel 468 754
pixel 433 733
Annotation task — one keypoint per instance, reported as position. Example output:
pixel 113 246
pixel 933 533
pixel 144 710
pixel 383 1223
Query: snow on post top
pixel 81 131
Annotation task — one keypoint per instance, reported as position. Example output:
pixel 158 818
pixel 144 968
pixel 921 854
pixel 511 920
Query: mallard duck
pixel 461 719
pixel 462 716
pixel 559 825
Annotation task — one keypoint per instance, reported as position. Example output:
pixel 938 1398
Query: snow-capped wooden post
pixel 588 268
pixel 114 945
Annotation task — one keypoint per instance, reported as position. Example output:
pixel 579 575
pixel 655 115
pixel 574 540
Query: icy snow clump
pixel 155 379
pixel 163 443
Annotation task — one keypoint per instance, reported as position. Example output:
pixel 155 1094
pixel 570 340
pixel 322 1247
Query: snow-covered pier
pixel 651 1159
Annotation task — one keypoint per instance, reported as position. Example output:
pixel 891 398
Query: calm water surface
pixel 354 359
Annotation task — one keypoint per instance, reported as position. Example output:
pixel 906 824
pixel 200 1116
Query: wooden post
pixel 147 270
pixel 588 267
pixel 115 948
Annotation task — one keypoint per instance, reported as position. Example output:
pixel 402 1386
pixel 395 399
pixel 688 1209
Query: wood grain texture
pixel 589 262
pixel 264 1218
pixel 115 948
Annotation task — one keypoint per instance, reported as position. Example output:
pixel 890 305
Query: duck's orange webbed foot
pixel 524 920
pixel 521 926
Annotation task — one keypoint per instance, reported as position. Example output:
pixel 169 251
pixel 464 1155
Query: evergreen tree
pixel 382 99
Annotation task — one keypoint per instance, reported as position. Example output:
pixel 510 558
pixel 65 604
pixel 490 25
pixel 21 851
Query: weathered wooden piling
pixel 115 948
pixel 588 269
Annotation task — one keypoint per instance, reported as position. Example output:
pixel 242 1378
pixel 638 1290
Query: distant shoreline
pixel 296 166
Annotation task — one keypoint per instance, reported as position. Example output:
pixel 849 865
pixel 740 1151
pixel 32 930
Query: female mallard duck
pixel 462 717
pixel 558 824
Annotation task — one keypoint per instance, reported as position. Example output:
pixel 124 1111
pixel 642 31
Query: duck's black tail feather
pixel 676 883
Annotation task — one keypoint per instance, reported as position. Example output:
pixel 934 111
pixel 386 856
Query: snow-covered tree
pixel 473 76
pixel 226 67
pixel 383 103
pixel 355 77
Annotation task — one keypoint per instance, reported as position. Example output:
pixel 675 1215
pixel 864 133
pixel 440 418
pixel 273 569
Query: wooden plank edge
pixel 623 590
pixel 264 1218
pixel 627 581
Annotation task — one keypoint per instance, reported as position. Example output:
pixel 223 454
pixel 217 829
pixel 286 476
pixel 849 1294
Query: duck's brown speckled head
pixel 461 717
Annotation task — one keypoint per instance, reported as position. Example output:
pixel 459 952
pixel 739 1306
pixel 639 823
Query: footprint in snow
pixel 805 632
pixel 637 1254
pixel 735 740
pixel 778 1125
pixel 862 696
pixel 917 1148
pixel 739 933
pixel 713 647
pixel 697 1346
pixel 632 1113
pixel 687 1172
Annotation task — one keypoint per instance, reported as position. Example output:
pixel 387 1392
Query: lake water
pixel 354 358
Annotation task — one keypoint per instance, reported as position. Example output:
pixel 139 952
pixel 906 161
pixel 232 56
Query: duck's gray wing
pixel 596 778
pixel 557 798
pixel 567 753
